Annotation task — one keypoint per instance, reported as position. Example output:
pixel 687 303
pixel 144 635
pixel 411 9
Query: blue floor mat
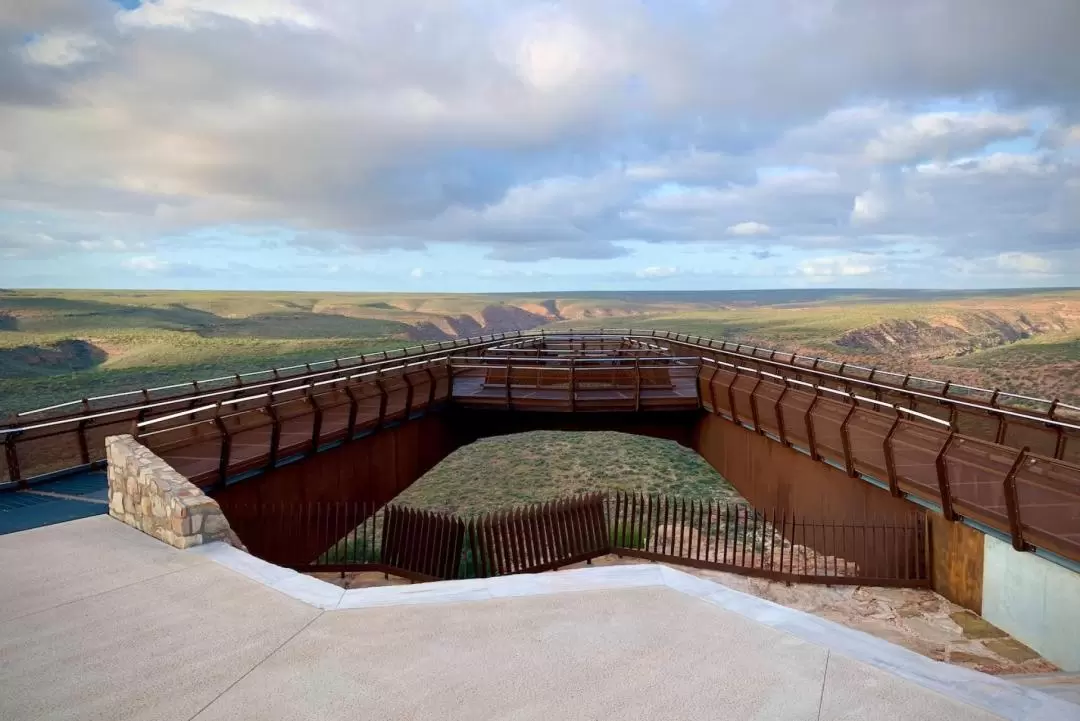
pixel 22 510
pixel 88 484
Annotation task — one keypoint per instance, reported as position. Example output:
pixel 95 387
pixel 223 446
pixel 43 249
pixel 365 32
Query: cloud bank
pixel 826 140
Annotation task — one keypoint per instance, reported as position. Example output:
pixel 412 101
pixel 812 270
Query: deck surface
pixel 99 621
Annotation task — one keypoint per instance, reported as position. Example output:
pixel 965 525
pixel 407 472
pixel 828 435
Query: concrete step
pixel 1064 685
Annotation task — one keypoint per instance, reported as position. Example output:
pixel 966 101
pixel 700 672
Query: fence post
pixel 943 479
pixel 1012 503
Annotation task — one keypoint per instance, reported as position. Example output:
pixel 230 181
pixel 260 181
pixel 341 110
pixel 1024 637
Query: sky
pixel 498 145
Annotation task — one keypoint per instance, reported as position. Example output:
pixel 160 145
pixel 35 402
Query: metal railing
pixel 1033 499
pixel 421 545
pixel 261 432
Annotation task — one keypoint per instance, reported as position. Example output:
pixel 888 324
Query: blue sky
pixel 490 145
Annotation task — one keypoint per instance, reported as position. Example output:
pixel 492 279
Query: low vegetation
pixel 506 471
pixel 60 345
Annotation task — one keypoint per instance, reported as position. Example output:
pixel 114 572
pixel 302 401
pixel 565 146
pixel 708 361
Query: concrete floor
pixel 98 621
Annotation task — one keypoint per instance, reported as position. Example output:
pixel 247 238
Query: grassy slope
pixel 153 338
pixel 535 467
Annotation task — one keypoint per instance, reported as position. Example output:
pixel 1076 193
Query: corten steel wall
pixel 470 425
pixel 772 476
pixel 371 469
pixel 956 553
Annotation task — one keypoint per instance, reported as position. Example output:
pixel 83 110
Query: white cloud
pixel 60 49
pixel 658 271
pixel 1026 263
pixel 539 131
pixel 748 228
pixel 189 14
pixel 943 135
pixel 868 207
pixel 839 266
pixel 145 264
pixel 416 273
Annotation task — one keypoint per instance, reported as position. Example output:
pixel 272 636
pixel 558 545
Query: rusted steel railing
pixel 1032 498
pixel 421 545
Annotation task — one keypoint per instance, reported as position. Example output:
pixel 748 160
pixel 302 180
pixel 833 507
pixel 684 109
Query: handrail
pixel 602 334
pixel 912 392
pixel 211 394
pixel 491 339
pixel 272 393
pixel 501 362
pixel 816 388
pixel 470 342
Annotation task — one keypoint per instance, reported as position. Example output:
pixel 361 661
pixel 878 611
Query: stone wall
pixel 146 493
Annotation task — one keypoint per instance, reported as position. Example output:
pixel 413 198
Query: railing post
pixel 84 446
pixel 810 440
pixel 354 409
pixel 753 405
pixel 383 398
pixel 275 434
pixel 845 440
pixel 12 455
pixel 1012 504
pixel 226 447
pixel 509 399
pixel 316 424
pixel 712 390
pixel 779 410
pixel 573 385
pixel 637 383
pixel 890 459
pixel 408 393
pixel 431 387
pixel 943 479
pixel 731 397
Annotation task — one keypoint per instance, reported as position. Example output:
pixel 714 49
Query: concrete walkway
pixel 98 621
